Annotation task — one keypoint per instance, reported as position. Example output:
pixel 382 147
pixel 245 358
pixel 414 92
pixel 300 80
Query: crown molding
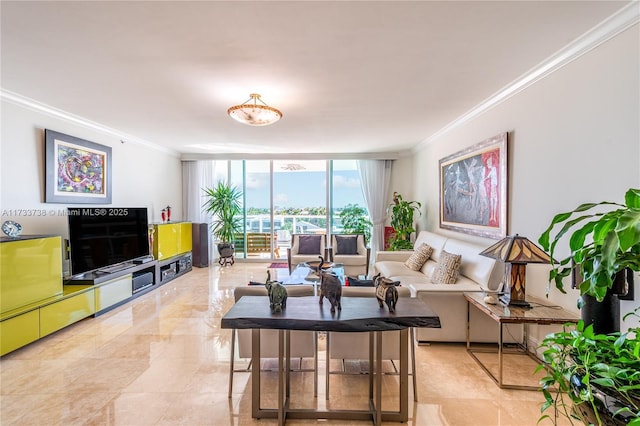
pixel 617 23
pixel 40 107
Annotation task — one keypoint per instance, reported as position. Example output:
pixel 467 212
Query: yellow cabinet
pixel 112 292
pixel 60 314
pixel 19 331
pixel 30 270
pixel 171 239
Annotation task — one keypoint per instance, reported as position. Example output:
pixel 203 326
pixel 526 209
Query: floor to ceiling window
pixel 348 209
pixel 283 197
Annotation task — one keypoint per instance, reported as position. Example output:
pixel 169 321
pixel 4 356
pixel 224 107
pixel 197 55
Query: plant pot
pixel 605 315
pixel 226 251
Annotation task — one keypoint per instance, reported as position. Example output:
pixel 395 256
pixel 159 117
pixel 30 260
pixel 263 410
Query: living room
pixel 574 137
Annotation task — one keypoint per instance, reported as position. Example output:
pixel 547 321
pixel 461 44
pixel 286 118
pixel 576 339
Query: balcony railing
pixel 257 243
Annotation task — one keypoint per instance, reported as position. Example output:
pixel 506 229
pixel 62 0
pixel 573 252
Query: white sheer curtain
pixel 197 175
pixel 375 176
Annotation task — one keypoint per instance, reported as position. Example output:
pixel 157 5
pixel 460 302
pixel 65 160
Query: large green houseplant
pixel 604 243
pixel 224 203
pixel 599 371
pixel 402 212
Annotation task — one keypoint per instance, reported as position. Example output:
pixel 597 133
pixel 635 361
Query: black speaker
pixel 200 250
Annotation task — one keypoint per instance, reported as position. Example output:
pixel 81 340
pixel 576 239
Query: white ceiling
pixel 349 76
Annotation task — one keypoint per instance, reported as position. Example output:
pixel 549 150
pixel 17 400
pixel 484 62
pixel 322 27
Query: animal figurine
pixel 330 287
pixel 386 292
pixel 277 294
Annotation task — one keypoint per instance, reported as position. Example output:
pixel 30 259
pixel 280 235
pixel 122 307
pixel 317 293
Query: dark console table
pixel 357 315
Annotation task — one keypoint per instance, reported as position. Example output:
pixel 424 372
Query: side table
pixel 538 314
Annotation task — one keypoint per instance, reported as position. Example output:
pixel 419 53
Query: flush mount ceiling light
pixel 293 166
pixel 254 112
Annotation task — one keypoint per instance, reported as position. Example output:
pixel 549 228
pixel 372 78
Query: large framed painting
pixel 473 189
pixel 77 171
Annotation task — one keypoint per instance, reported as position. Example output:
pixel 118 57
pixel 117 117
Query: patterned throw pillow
pixel 309 244
pixel 419 257
pixel 448 269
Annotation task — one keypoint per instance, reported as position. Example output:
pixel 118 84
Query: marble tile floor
pixel 163 359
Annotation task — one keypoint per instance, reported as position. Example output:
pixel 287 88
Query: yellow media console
pixel 35 302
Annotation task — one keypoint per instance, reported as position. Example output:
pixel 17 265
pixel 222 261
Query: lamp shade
pixel 516 249
pixel 254 112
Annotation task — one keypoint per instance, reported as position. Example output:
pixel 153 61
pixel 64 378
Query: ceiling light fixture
pixel 293 166
pixel 253 113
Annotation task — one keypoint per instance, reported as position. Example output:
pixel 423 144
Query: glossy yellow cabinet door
pixel 60 314
pixel 171 239
pixel 186 233
pixel 30 271
pixel 19 331
pixel 112 292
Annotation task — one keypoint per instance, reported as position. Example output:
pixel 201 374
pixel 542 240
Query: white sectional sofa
pixel 477 273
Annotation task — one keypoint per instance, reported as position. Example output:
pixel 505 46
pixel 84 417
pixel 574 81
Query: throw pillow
pixel 419 257
pixel 448 268
pixel 347 244
pixel 309 244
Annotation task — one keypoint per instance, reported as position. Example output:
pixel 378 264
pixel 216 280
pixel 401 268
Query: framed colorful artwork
pixel 77 171
pixel 473 189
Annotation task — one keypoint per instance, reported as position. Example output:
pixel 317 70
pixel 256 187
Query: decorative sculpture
pixel 386 292
pixel 277 294
pixel 330 287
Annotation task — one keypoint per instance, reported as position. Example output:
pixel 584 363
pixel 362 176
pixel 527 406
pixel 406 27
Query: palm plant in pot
pixel 224 203
pixel 402 212
pixel 594 365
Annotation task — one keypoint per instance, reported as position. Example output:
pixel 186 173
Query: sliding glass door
pixel 285 197
pixel 299 199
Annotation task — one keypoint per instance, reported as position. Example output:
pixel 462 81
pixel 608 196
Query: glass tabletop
pixel 305 275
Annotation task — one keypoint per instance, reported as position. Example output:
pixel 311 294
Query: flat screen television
pixel 103 237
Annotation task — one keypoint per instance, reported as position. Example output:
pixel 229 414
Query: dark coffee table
pixel 304 313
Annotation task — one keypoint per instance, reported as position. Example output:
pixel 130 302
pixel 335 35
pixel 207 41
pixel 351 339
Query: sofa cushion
pixel 309 244
pixel 419 257
pixel 346 244
pixel 473 265
pixel 448 268
pixel 391 269
pixel 371 292
pixel 428 268
pixel 463 284
pixel 434 240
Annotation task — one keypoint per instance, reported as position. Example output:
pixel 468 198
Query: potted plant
pixel 595 377
pixel 402 222
pixel 593 364
pixel 603 245
pixel 224 203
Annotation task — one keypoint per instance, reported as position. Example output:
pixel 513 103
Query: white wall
pixel 574 137
pixel 141 177
pixel 402 181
